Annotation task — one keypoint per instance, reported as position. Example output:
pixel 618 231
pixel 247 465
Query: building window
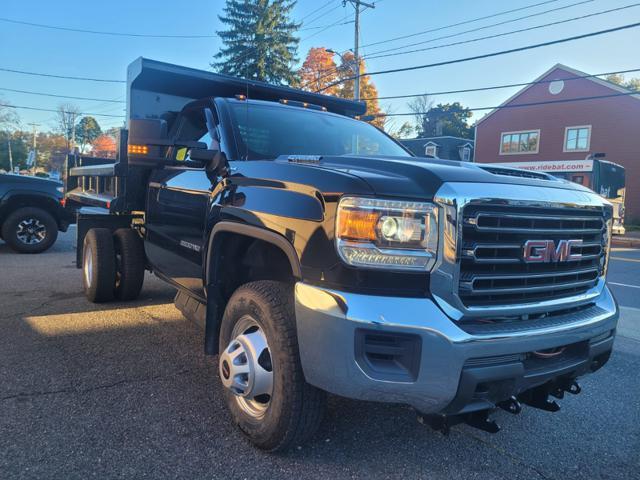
pixel 577 139
pixel 466 154
pixel 431 150
pixel 527 141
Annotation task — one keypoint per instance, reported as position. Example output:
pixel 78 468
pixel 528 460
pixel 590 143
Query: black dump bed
pixel 155 89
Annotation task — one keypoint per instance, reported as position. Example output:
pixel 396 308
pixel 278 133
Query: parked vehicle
pixel 31 212
pixel 321 257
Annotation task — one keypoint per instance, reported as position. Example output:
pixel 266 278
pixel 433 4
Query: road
pixel 124 391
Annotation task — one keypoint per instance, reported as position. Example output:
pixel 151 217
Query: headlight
pixel 60 189
pixel 389 234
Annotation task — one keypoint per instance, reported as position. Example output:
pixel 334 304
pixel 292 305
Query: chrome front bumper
pixel 450 362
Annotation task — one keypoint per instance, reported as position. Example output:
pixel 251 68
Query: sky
pixel 99 56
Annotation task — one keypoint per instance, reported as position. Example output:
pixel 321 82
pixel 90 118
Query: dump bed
pixel 156 90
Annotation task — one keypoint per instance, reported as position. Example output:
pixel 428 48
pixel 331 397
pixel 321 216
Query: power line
pixel 317 10
pixel 488 55
pixel 496 87
pixel 376 53
pixel 520 105
pixel 22 107
pixel 323 14
pixel 66 77
pixel 465 22
pixel 484 27
pixel 503 34
pixel 61 96
pixel 102 32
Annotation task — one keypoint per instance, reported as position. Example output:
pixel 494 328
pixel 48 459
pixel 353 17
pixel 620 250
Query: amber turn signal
pixel 137 149
pixel 357 224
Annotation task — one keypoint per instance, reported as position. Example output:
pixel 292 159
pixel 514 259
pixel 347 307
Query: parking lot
pixel 124 391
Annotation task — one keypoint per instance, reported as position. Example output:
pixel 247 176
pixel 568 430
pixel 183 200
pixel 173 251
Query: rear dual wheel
pixel 112 265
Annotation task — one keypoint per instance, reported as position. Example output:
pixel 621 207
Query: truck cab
pixel 320 256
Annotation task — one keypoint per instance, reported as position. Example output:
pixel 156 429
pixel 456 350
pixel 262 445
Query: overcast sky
pixel 76 54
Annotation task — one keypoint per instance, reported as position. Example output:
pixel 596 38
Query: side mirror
pixel 147 141
pixel 212 160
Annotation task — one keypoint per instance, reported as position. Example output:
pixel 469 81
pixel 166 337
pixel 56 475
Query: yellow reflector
pixel 357 225
pixel 138 149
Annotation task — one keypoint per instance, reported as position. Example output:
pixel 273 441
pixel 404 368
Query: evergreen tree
pixel 259 42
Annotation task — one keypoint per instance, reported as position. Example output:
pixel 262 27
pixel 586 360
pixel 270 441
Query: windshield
pixel 267 131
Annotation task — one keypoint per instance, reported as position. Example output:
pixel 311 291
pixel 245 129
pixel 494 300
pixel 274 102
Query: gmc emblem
pixel 546 251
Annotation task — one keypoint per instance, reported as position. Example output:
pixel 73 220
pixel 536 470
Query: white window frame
pixel 430 146
pixel 531 152
pixel 466 149
pixel 566 133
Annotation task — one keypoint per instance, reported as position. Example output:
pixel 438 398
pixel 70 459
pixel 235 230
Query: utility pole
pixel 35 155
pixel 73 131
pixel 356 50
pixel 10 156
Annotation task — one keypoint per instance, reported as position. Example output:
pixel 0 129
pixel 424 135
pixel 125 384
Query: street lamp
pixel 354 66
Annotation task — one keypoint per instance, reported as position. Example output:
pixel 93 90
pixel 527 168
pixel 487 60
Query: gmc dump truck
pixel 320 256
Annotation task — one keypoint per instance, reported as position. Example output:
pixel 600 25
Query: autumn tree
pixel 319 71
pixel 368 91
pixel 619 79
pixel 87 131
pixel 104 146
pixel 259 42
pixel 52 149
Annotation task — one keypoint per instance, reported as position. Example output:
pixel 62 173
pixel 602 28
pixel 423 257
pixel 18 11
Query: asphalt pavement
pixel 123 390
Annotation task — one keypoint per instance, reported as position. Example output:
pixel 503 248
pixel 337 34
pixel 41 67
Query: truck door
pixel 177 206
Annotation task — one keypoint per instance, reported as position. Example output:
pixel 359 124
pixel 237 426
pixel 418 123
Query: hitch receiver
pixel 443 423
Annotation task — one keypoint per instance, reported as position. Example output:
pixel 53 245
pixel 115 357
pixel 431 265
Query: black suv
pixel 31 212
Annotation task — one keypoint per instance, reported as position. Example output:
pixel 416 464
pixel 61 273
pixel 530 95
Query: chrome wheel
pixel 246 369
pixel 87 265
pixel 31 231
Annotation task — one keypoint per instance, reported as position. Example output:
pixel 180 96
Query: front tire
pixel 260 368
pixel 30 230
pixel 98 265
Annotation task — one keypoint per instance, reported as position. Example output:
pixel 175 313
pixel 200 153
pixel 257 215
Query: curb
pixel 625 242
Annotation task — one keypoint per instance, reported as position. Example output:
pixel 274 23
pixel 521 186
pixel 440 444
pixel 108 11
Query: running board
pixel 191 308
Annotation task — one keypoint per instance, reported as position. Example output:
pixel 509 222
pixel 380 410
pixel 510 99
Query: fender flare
pixel 213 312
pixel 254 232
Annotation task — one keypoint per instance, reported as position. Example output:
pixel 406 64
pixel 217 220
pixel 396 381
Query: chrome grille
pixel 492 269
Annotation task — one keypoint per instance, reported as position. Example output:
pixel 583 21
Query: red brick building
pixel 567 131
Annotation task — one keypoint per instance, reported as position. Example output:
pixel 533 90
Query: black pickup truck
pixel 31 212
pixel 322 257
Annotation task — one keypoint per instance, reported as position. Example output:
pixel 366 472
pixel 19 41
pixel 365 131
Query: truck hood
pixel 413 177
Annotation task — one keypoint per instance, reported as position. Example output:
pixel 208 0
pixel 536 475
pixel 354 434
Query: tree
pixel 52 149
pixel 19 149
pixel 259 43
pixel 443 119
pixel 368 91
pixel 631 84
pixel 420 106
pixel 66 117
pixel 104 146
pixel 87 131
pixel 406 130
pixel 319 71
pixel 9 119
